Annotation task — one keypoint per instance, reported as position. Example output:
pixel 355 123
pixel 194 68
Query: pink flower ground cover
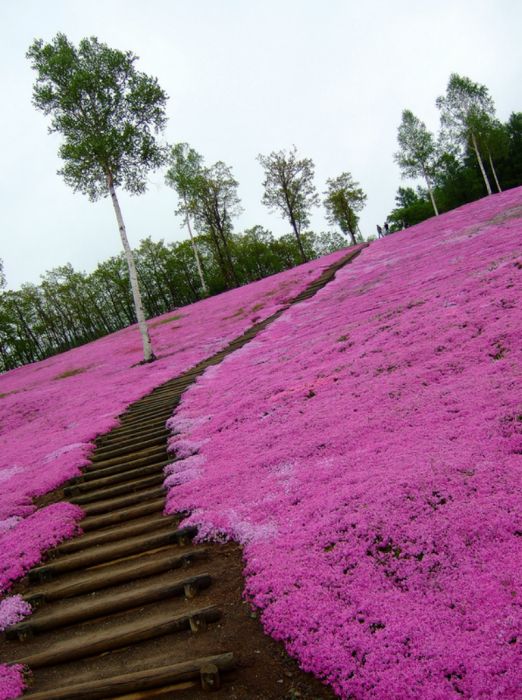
pixel 51 411
pixel 366 449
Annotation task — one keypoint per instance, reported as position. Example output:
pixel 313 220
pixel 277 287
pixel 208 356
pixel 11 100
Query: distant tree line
pixel 69 308
pixel 474 154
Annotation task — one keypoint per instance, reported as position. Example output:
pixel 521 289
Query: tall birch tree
pixel 109 115
pixel 289 189
pixel 185 166
pixel 493 140
pixel 464 108
pixel 417 154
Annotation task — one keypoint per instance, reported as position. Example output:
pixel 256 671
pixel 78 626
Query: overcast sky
pixel 244 77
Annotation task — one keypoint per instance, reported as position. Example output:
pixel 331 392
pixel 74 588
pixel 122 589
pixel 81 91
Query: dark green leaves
pixel 343 199
pixel 107 111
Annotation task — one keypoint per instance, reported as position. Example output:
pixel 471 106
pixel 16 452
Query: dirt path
pixel 133 609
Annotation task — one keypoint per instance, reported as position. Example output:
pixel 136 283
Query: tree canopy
pixel 107 111
pixel 344 198
pixel 466 111
pixel 289 188
pixel 417 155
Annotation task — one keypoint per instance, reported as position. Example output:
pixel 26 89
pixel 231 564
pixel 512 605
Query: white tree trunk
pixel 494 172
pixel 481 164
pixel 196 254
pixel 148 355
pixel 428 183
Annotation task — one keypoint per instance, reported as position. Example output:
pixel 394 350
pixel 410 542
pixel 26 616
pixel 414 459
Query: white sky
pixel 244 77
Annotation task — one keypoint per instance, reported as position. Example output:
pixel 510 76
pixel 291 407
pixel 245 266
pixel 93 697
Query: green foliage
pixel 343 199
pixel 209 196
pixel 106 110
pixel 465 108
pixel 411 208
pixel 2 274
pixel 185 168
pixel 289 189
pixel 511 169
pixel 469 129
pixel 417 156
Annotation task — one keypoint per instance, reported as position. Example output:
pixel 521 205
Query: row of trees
pixel 70 307
pixel 473 154
pixel 208 199
pixel 110 115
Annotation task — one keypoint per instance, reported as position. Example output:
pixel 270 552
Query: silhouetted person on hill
pixel 379 231
pixel 386 229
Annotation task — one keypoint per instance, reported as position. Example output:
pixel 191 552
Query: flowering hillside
pixel 51 411
pixel 366 449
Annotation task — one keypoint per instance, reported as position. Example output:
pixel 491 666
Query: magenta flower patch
pixel 12 683
pixel 13 609
pixel 51 411
pixel 366 449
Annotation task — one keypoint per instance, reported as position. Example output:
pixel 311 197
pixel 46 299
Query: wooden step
pixel 106 604
pixel 112 441
pixel 122 572
pixel 96 522
pixel 131 428
pixel 166 692
pixel 112 534
pixel 111 552
pixel 111 480
pixel 98 494
pixel 111 504
pixel 130 448
pixel 96 474
pixel 145 457
pixel 120 635
pixel 136 681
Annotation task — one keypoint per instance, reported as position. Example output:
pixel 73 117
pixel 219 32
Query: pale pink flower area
pixel 13 609
pixel 12 682
pixel 366 449
pixel 52 411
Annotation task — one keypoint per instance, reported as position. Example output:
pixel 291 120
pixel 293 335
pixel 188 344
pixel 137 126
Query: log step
pixel 111 504
pixel 96 522
pixel 142 460
pixel 107 604
pixel 112 551
pixel 137 681
pixel 120 635
pixel 119 489
pixel 120 469
pixel 123 572
pixel 130 448
pixel 112 534
pixel 113 441
pixel 119 478
pixel 167 692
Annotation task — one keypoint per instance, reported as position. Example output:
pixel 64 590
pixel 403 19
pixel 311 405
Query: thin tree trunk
pixel 494 171
pixel 298 236
pixel 481 164
pixel 196 253
pixel 148 355
pixel 294 226
pixel 433 203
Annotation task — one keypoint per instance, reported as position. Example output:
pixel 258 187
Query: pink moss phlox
pixel 23 546
pixel 13 609
pixel 367 449
pixel 12 681
pixel 52 411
